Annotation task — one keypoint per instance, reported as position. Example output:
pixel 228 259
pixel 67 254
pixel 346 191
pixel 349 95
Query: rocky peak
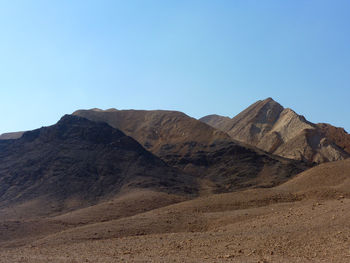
pixel 267 125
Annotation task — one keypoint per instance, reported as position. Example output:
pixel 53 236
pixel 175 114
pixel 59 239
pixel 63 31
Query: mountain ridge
pixel 281 131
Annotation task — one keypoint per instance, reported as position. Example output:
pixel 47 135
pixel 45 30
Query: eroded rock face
pixel 336 135
pixel 272 128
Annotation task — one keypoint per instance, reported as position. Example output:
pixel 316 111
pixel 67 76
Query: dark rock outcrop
pixel 77 162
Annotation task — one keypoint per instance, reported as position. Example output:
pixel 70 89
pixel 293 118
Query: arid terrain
pixel 289 223
pixel 160 186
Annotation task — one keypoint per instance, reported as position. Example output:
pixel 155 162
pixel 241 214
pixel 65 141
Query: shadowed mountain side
pixel 272 128
pixel 230 167
pixel 77 162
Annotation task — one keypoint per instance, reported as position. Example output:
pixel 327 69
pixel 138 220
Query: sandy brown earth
pixel 305 231
pixel 288 223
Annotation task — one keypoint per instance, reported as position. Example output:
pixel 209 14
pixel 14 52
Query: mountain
pixel 216 121
pixel 11 135
pixel 78 162
pixel 161 132
pixel 272 128
pixel 199 149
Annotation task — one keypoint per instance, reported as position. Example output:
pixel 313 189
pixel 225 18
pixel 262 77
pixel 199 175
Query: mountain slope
pixel 272 128
pixel 328 179
pixel 77 162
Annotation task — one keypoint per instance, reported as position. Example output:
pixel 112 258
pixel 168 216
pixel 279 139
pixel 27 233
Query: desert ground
pixel 312 230
pixel 299 221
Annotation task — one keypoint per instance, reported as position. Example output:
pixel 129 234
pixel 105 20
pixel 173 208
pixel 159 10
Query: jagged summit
pixel 278 130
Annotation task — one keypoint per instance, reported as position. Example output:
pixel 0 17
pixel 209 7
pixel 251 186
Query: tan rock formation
pixel 272 128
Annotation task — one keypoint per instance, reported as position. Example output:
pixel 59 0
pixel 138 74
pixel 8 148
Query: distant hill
pixel 325 180
pixel 77 162
pixel 272 128
pixel 11 135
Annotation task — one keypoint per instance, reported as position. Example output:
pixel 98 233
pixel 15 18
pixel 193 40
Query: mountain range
pixel 198 149
pixel 163 185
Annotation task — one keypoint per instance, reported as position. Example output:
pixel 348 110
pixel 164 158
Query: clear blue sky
pixel 199 57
